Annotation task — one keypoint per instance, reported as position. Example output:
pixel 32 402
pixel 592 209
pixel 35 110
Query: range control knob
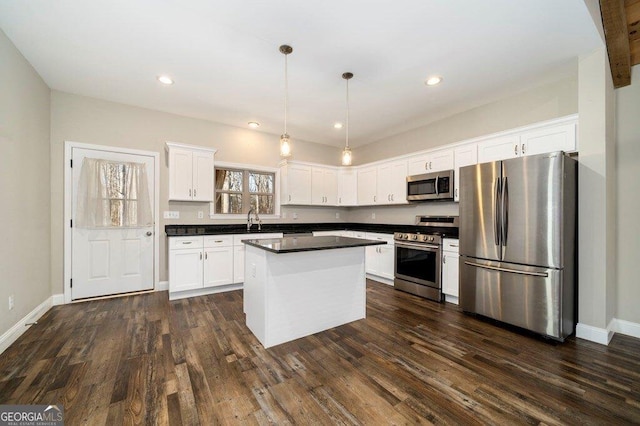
pixel 414 237
pixel 430 238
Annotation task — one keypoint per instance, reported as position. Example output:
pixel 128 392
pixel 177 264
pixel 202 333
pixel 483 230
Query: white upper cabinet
pixel 347 187
pixel 295 184
pixel 324 186
pixel 548 139
pixel 500 148
pixel 392 183
pixel 434 161
pixel 190 172
pixel 464 155
pixel 367 186
pixel 558 136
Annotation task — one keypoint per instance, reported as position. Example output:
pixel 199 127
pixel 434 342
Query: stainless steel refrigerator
pixel 518 242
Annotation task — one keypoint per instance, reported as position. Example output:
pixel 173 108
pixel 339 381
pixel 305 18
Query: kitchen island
pixel 297 286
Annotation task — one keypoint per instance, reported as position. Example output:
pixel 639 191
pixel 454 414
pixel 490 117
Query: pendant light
pixel 285 142
pixel 346 153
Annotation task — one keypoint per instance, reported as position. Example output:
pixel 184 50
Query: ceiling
pixel 227 68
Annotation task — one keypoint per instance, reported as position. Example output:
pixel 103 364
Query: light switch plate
pixel 200 214
pixel 169 214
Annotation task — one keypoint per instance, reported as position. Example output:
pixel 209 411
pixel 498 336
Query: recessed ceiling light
pixel 432 81
pixel 165 79
pixel 253 124
pixel 337 126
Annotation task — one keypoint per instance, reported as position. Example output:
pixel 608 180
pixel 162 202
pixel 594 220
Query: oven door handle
pixel 424 247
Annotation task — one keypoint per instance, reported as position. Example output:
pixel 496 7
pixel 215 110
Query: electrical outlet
pixel 200 214
pixel 11 300
pixel 373 215
pixel 337 215
pixel 294 215
pixel 171 214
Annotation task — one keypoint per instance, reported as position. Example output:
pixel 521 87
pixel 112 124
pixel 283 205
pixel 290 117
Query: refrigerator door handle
pixel 437 177
pixel 512 271
pixel 505 210
pixel 496 216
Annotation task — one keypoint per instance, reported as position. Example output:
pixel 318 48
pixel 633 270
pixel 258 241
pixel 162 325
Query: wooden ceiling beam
pixel 632 9
pixel 617 36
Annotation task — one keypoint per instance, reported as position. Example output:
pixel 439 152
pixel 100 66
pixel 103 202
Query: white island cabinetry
pixel 295 287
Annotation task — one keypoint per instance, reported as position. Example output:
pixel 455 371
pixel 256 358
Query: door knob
pixel 149 233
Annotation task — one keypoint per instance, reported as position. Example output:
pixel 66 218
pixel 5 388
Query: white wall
pixel 628 199
pixel 546 102
pixel 596 203
pixel 549 101
pixel 24 189
pixel 81 119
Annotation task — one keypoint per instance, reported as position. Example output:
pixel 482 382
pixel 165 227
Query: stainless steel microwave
pixel 430 186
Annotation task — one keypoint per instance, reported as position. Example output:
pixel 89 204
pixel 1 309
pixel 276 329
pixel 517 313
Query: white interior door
pixel 106 261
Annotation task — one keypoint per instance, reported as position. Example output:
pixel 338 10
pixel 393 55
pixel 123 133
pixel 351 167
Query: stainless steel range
pixel 418 256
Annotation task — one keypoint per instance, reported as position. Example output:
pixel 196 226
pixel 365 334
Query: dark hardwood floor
pixel 143 359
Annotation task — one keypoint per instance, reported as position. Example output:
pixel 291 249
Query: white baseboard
pixel 595 334
pixel 19 328
pixel 162 286
pixel 380 279
pixel 451 299
pixel 204 291
pixel 627 328
pixel 57 299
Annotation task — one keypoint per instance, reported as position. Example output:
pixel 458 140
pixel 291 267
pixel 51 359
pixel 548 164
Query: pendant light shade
pixel 346 152
pixel 285 142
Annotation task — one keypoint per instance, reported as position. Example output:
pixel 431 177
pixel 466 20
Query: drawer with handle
pixel 218 240
pixel 185 242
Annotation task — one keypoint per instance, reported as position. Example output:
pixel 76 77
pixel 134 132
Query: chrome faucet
pixel 250 221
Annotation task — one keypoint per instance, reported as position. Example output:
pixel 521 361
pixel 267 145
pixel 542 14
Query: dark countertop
pixel 293 228
pixel 297 244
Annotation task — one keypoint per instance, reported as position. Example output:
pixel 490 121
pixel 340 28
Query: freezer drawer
pixel 529 297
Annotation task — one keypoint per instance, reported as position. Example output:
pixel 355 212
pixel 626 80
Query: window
pixel 238 190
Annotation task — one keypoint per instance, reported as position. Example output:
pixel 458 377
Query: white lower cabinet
pixel 380 259
pixel 218 260
pixel 200 264
pixel 450 270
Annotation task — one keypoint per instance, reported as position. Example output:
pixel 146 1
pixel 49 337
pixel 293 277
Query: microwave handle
pixel 437 177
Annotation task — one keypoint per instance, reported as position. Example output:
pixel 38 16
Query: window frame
pixel 247 167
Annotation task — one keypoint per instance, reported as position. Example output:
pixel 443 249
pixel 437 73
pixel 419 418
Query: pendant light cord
pixel 347 131
pixel 286 93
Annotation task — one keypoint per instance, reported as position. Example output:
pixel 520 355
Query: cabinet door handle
pixel 339 200
pixel 206 256
pixel 375 198
pixel 515 150
pixel 200 255
pixel 426 165
pixel 289 197
pixel 522 149
pixel 392 197
pixel 189 193
pixel 218 241
pixel 430 165
pixel 187 242
pixel 444 258
pixel 194 192
pixel 456 192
